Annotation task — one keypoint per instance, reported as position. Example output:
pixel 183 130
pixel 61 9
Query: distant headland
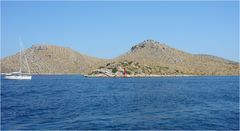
pixel 146 59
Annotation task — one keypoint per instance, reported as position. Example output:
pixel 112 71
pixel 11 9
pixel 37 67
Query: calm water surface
pixel 76 102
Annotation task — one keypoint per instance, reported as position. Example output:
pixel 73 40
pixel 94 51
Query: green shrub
pixel 114 70
pixel 101 67
pixel 128 72
pixel 137 64
pixel 130 62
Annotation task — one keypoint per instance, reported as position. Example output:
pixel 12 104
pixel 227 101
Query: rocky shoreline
pixel 131 76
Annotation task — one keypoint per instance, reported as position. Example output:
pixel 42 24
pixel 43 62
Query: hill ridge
pixel 47 58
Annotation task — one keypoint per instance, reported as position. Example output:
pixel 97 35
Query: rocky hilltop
pixel 50 59
pixel 146 58
pixel 157 55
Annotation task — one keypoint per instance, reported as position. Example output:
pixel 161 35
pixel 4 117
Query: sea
pixel 74 102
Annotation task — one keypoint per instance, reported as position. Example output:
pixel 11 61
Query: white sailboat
pixel 20 75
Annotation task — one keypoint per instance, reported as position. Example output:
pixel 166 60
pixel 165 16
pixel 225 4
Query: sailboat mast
pixel 21 46
pixel 27 65
pixel 20 42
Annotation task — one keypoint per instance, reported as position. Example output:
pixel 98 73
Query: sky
pixel 109 29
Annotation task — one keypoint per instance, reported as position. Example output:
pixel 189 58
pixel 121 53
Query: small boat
pixel 19 75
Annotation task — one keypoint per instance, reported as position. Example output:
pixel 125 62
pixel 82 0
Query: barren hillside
pixel 150 57
pixel 50 59
pixel 155 54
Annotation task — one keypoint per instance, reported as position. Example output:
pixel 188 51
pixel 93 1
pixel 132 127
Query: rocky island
pixel 132 69
pixel 147 58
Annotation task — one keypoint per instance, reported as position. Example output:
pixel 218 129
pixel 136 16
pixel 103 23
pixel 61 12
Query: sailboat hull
pixel 19 75
pixel 12 77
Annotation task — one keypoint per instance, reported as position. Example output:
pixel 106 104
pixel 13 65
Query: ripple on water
pixel 75 102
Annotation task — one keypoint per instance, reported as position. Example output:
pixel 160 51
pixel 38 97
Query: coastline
pixel 137 76
pixel 151 76
pixel 50 74
pixel 127 76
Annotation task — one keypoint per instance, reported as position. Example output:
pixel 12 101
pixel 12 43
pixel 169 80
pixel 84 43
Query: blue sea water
pixel 74 102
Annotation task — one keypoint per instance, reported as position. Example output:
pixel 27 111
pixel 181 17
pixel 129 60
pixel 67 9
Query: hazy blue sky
pixel 108 29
